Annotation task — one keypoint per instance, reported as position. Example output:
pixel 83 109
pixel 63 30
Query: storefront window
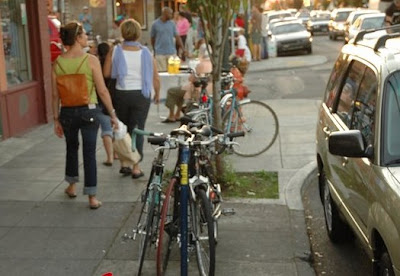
pixel 135 9
pixel 15 34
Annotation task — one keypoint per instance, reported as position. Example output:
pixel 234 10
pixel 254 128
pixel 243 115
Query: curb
pixel 293 197
pixel 293 189
pixel 281 63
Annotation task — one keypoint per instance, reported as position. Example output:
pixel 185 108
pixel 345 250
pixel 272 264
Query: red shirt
pixel 239 22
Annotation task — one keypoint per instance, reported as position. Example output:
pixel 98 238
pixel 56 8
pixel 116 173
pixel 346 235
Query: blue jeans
pixel 84 119
pixel 132 109
pixel 264 47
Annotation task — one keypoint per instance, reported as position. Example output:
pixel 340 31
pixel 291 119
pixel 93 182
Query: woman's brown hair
pixel 70 32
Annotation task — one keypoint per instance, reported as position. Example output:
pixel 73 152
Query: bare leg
pixel 178 112
pixel 108 146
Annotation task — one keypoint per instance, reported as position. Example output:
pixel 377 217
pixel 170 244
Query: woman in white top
pixel 133 66
pixel 242 44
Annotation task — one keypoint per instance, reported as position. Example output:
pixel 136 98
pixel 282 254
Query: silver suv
pixel 358 148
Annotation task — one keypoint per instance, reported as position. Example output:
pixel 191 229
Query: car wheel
pixel 309 50
pixel 385 265
pixel 338 230
pixel 333 37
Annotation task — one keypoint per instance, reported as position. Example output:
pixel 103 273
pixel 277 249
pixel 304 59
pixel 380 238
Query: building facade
pixel 25 69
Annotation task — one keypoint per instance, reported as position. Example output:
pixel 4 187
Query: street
pixel 298 83
pixel 329 259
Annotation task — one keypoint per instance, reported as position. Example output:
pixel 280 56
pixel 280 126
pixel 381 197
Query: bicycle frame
pixel 184 157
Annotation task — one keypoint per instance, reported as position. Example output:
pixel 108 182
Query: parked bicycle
pixel 257 119
pixel 147 225
pixel 187 222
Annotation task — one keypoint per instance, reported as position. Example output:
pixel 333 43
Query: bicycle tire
pixel 207 169
pixel 260 124
pixel 168 232
pixel 148 230
pixel 203 228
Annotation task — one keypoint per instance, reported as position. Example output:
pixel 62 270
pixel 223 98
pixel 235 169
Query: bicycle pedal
pixel 228 211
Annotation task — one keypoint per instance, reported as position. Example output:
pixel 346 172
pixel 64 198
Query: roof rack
pixel 381 40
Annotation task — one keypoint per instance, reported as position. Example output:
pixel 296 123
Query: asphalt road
pixel 297 83
pixel 329 259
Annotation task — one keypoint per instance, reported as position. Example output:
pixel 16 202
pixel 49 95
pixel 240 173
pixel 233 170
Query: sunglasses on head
pixel 77 29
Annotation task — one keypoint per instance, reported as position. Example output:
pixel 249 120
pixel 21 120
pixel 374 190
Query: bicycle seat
pixel 205 130
pixel 182 130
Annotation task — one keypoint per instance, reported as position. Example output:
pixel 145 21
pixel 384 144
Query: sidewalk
pixel 42 232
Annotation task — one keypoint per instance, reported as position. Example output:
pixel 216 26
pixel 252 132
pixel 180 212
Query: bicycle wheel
pixel 146 229
pixel 169 228
pixel 203 233
pixel 260 124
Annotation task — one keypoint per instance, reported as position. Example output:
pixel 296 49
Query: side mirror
pixel 349 143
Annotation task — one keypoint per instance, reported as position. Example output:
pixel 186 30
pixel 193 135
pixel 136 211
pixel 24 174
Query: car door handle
pixel 345 160
pixel 326 131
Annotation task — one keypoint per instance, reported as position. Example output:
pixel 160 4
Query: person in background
pixel 239 21
pixel 136 72
pixel 393 16
pixel 86 19
pixel 244 60
pixel 163 31
pixel 242 44
pixel 176 96
pixel 256 33
pixel 264 37
pixel 69 121
pixel 104 118
pixel 184 10
pixel 116 31
pixel 182 26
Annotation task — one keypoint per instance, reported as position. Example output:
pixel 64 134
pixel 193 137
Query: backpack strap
pixel 59 65
pixel 77 70
pixel 80 65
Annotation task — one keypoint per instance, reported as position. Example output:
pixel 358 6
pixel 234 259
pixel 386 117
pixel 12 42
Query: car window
pixel 356 23
pixel 342 16
pixel 391 120
pixel 288 28
pixel 364 108
pixel 334 80
pixel 370 23
pixel 349 90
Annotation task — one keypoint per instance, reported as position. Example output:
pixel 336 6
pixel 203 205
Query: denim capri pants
pixel 105 124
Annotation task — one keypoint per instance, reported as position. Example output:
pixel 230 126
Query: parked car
pixel 292 11
pixel 358 149
pixel 337 22
pixel 352 18
pixel 303 15
pixel 364 22
pixel 290 36
pixel 284 19
pixel 270 15
pixel 318 22
pixel 54 33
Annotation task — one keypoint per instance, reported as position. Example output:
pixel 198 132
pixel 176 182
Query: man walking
pixel 86 19
pixel 163 31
